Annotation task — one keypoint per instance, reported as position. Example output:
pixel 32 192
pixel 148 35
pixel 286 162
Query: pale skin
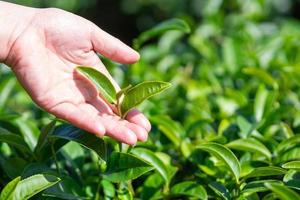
pixel 43 47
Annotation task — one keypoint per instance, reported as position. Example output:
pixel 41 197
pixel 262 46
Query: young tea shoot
pixel 127 98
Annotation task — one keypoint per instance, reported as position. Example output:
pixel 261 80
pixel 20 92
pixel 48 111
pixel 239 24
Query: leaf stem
pixel 55 158
pixel 97 196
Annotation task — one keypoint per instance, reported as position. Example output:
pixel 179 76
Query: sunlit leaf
pixel 170 128
pixel 124 167
pixel 229 55
pixel 66 188
pixel 172 24
pixel 189 188
pixel 32 185
pixel 250 144
pixel 292 165
pixel 288 132
pixel 6 88
pixel 262 75
pixel 103 84
pixel 244 126
pixel 257 186
pixel 266 171
pixel 154 161
pixel 289 155
pixel 220 190
pixel 283 192
pixel 288 143
pixel 140 92
pixel 108 188
pixel 8 190
pixel 260 102
pixel 225 155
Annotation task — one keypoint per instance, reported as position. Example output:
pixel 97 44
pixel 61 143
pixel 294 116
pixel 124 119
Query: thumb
pixel 111 47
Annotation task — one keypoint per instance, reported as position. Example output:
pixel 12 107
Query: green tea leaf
pixel 293 183
pixel 172 24
pixel 225 155
pixel 244 126
pixel 170 128
pixel 140 92
pixel 190 188
pixel 251 145
pixel 288 132
pixel 32 185
pixel 220 190
pixel 283 192
pixel 260 102
pixel 47 130
pixel 150 157
pixel 14 140
pixel 29 130
pixel 152 186
pixel 6 88
pixel 288 143
pixel 257 186
pixel 122 91
pixel 108 188
pixel 124 194
pixel 124 167
pixel 230 55
pixel 67 188
pixel 292 165
pixel 12 166
pixel 103 84
pixel 9 189
pixel 288 155
pixel 262 75
pixel 266 171
pixel 88 140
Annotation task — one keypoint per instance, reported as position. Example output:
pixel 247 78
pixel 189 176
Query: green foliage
pixel 227 129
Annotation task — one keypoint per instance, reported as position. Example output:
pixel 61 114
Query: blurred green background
pixel 126 18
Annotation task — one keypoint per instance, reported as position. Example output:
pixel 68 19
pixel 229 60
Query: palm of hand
pixel 44 58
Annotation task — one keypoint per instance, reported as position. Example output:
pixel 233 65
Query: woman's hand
pixel 44 55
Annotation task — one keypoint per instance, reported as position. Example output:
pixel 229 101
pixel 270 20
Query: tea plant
pixel 228 128
pixel 127 98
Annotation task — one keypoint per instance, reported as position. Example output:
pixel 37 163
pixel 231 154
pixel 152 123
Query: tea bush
pixel 227 128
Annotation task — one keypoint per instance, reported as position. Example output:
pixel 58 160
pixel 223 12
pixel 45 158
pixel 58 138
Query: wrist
pixel 14 20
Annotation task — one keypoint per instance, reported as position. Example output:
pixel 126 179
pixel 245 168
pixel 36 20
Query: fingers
pixel 136 117
pixel 116 129
pixel 141 133
pixel 84 116
pixel 111 47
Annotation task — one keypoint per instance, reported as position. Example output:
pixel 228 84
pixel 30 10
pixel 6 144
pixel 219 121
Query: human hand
pixel 44 57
